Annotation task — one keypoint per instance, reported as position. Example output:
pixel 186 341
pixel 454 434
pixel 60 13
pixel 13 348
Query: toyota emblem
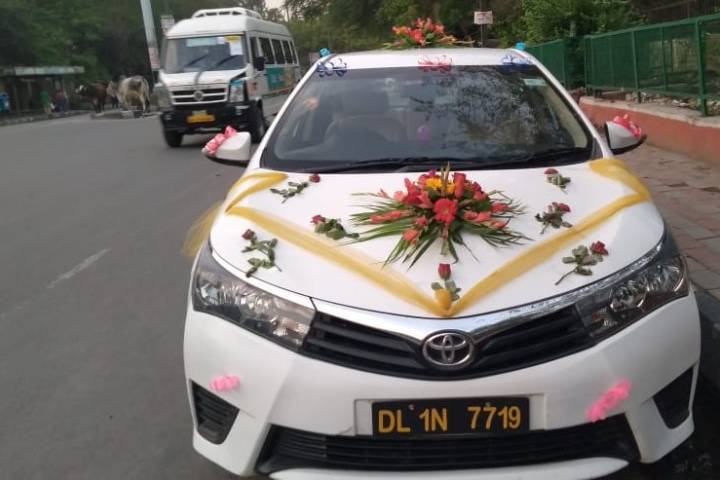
pixel 448 350
pixel 198 95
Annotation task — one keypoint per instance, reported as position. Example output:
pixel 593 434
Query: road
pixel 92 218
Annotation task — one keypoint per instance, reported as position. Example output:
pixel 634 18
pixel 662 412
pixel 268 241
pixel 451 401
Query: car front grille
pixel 338 341
pixel 214 415
pixel 286 448
pixel 186 96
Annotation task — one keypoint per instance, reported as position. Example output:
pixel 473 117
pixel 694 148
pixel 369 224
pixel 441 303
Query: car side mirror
pixel 623 135
pixel 233 149
pixel 259 63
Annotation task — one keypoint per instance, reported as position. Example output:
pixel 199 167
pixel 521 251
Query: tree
pixel 552 19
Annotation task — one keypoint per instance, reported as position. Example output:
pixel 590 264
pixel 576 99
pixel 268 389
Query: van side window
pixel 279 57
pixel 267 51
pixel 253 48
pixel 289 57
pixel 294 52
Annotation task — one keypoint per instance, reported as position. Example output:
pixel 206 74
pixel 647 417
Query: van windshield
pixel 224 52
pixel 484 116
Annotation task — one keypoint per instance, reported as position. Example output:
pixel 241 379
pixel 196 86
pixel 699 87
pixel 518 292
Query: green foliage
pixel 552 19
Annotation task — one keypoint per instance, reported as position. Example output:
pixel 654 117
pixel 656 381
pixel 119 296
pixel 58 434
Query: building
pixel 20 87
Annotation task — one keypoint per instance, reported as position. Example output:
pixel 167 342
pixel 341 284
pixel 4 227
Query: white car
pixel 317 352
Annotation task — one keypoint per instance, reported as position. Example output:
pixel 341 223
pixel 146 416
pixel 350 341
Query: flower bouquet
pixel 422 33
pixel 437 206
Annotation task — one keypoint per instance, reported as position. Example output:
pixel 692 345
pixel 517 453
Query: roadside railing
pixel 676 59
pixel 564 59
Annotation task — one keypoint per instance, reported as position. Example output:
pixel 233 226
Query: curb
pixel 41 118
pixel 709 308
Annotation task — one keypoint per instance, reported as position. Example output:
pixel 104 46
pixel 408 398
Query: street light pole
pixel 152 45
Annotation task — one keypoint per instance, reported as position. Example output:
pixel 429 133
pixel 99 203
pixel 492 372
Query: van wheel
pixel 257 124
pixel 173 139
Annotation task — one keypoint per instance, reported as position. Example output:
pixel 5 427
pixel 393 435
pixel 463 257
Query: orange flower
pixel 411 235
pixel 445 210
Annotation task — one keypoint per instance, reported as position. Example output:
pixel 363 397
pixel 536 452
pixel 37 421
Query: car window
pixel 277 48
pixel 483 114
pixel 267 50
pixel 289 58
pixel 253 47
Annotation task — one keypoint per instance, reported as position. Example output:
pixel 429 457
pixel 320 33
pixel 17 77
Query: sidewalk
pixel 38 117
pixel 687 192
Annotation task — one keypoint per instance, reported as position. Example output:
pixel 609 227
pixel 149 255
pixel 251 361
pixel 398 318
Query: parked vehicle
pixel 566 354
pixel 224 67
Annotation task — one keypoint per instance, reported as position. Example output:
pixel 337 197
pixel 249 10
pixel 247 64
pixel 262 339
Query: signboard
pixel 483 18
pixel 154 58
pixel 166 23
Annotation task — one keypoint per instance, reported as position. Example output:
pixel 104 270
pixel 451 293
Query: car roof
pixel 412 57
pixel 224 24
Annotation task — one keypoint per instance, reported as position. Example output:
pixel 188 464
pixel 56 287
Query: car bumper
pixel 178 119
pixel 280 388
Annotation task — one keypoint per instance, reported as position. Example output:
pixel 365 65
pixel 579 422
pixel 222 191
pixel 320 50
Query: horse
pixel 134 90
pixel 96 92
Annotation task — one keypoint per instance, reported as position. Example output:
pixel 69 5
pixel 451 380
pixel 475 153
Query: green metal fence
pixel 675 59
pixel 564 59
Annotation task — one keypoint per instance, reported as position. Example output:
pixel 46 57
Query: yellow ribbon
pixel 347 258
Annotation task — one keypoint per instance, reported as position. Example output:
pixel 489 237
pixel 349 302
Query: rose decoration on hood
pixel 439 206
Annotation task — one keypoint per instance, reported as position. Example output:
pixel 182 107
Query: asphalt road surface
pixel 93 214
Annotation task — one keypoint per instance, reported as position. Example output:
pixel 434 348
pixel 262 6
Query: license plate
pixel 200 116
pixel 461 416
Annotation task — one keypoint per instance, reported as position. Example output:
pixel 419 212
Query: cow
pixel 96 92
pixel 134 91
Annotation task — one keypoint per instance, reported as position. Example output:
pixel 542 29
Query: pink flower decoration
pixel 224 383
pixel 212 146
pixel 609 401
pixel 229 132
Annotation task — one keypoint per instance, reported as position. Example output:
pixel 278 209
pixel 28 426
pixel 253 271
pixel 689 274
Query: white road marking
pixel 85 264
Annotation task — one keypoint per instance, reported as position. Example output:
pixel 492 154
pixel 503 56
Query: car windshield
pixel 224 52
pixel 481 115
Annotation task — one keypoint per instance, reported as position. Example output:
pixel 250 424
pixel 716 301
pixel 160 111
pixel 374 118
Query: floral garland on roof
pixel 422 34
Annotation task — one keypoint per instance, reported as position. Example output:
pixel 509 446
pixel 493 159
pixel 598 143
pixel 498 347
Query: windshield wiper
pixel 193 61
pixel 390 163
pixel 217 64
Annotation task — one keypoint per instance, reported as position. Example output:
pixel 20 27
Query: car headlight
pixel 218 292
pixel 656 279
pixel 162 94
pixel 237 92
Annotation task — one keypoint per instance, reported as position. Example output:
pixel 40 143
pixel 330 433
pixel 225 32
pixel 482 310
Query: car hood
pixel 493 278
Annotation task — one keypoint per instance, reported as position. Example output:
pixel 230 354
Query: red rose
pixel 444 271
pixel 459 181
pixel 418 36
pixel 318 219
pixel 399 196
pixel 562 207
pixel 421 222
pixel 483 217
pixel 480 196
pixel 550 171
pixel 499 207
pixel 314 178
pixel 469 215
pixel 411 235
pixel 425 201
pixel 248 235
pixel 599 248
pixel 445 210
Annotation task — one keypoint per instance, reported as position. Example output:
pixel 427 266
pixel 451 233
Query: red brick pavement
pixel 687 192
